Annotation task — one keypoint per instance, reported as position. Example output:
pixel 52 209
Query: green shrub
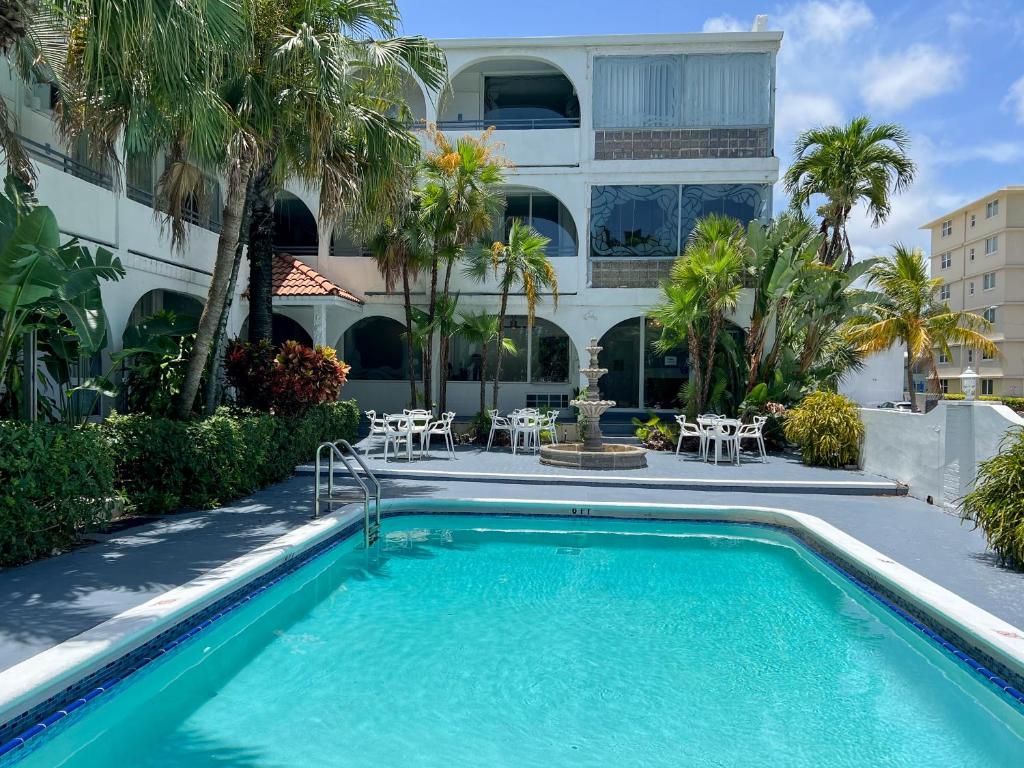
pixel 163 465
pixel 827 429
pixel 655 434
pixel 56 481
pixel 954 396
pixel 1015 403
pixel 996 505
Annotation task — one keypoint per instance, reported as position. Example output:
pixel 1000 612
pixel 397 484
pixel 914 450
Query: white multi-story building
pixel 620 143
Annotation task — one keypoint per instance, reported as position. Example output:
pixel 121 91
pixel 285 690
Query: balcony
pixel 46 154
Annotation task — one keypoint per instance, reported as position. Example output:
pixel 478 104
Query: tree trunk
pixel 445 346
pixel 215 380
pixel 910 385
pixel 483 376
pixel 501 344
pixel 261 256
pixel 410 349
pixel 710 365
pixel 693 342
pixel 428 352
pixel 234 204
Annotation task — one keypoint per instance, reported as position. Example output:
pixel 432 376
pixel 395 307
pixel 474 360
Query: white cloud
pixel 796 112
pixel 724 23
pixel 1014 100
pixel 826 22
pixel 896 81
pixel 997 152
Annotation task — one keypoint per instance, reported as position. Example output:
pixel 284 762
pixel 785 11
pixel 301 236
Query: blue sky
pixel 951 71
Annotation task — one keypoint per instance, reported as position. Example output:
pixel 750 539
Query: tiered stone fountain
pixel 592 453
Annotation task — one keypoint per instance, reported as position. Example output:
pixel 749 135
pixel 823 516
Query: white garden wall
pixel 935 454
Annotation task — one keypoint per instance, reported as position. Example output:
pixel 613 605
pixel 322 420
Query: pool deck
pixel 780 474
pixel 52 600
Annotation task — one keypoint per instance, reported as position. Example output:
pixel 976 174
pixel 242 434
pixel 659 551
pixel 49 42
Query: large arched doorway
pixel 544 355
pixel 295 230
pixel 638 375
pixel 376 349
pixel 160 300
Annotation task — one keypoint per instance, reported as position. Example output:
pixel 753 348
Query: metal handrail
pixel 371 530
pixel 510 124
pixel 45 153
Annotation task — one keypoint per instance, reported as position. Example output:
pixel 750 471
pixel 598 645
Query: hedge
pixel 1015 403
pixel 59 481
pixel 163 465
pixel 55 481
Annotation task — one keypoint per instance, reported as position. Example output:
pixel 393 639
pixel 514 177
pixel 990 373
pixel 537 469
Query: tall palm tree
pixel 483 329
pixel 459 201
pixel 907 310
pixel 519 264
pixel 850 164
pixel 704 287
pixel 308 81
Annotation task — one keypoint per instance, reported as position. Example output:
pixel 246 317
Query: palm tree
pixel 859 162
pixel 519 264
pixel 459 201
pixel 309 81
pixel 483 329
pixel 703 288
pixel 907 310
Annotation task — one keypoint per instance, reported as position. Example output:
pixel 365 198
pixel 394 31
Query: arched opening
pixel 295 230
pixel 544 355
pixel 376 349
pixel 512 94
pixel 637 373
pixel 545 213
pixel 412 94
pixel 283 328
pixel 160 300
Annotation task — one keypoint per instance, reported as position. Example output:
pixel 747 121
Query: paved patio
pixel 47 602
pixel 781 473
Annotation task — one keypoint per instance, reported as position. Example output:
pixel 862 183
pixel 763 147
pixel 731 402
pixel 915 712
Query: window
pixel 991 245
pixel 375 348
pixel 974 220
pixel 943 357
pixel 991 209
pixel 944 386
pixel 970 287
pixel 987 386
pixel 946 259
pixel 990 314
pixel 511 98
pixel 676 91
pixel 139 178
pixel 989 281
pixel 547 215
pixel 987 356
pixel 944 293
pixel 970 254
pixel 543 355
pixel 947 228
pixel 652 222
pixel 970 355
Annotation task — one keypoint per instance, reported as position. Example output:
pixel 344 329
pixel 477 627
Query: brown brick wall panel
pixel 682 144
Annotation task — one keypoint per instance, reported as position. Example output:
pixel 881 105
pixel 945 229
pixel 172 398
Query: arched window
pixel 512 94
pixel 544 354
pixel 546 214
pixel 295 230
pixel 376 349
pixel 159 300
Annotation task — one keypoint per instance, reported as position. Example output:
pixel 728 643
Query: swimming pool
pixel 537 641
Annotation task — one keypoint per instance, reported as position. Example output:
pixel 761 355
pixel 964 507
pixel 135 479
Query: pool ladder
pixel 344 452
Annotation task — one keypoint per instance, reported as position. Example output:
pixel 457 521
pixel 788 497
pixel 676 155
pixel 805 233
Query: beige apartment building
pixel 979 251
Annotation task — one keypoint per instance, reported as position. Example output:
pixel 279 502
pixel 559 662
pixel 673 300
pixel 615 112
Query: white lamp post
pixel 969 383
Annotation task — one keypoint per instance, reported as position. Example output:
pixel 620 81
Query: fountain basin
pixel 610 456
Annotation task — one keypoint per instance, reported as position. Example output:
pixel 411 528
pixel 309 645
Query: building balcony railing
pixel 298 250
pixel 510 124
pixel 47 155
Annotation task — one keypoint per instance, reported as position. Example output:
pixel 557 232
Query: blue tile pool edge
pixel 72 698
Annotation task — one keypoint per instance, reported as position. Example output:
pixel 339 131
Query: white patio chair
pixel 754 432
pixel 498 424
pixel 398 430
pixel 526 427
pixel 706 424
pixel 689 429
pixel 549 425
pixel 442 427
pixel 378 430
pixel 724 432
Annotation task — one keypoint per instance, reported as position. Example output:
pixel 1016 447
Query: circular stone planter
pixel 610 456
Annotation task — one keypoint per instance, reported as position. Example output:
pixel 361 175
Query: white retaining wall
pixel 935 454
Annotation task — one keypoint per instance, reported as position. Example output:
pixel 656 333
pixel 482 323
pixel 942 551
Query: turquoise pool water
pixel 528 642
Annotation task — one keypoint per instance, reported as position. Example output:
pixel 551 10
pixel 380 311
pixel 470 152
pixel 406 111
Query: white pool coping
pixel 34 680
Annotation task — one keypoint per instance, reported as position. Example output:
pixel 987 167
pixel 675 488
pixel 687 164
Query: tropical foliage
pixel 996 504
pixel 907 309
pixel 484 330
pixel 286 381
pixel 847 165
pixel 827 429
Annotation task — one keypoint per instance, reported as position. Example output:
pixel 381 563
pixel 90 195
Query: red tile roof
pixel 292 277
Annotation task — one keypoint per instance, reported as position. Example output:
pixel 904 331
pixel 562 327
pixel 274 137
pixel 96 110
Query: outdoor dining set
pixel 399 432
pixel 726 434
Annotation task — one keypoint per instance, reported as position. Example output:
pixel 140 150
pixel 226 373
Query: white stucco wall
pixel 935 454
pixel 883 378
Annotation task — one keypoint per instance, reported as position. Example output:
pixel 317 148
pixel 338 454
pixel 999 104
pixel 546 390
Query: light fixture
pixel 969 383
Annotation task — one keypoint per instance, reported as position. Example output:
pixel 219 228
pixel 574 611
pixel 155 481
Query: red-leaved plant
pixel 288 381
